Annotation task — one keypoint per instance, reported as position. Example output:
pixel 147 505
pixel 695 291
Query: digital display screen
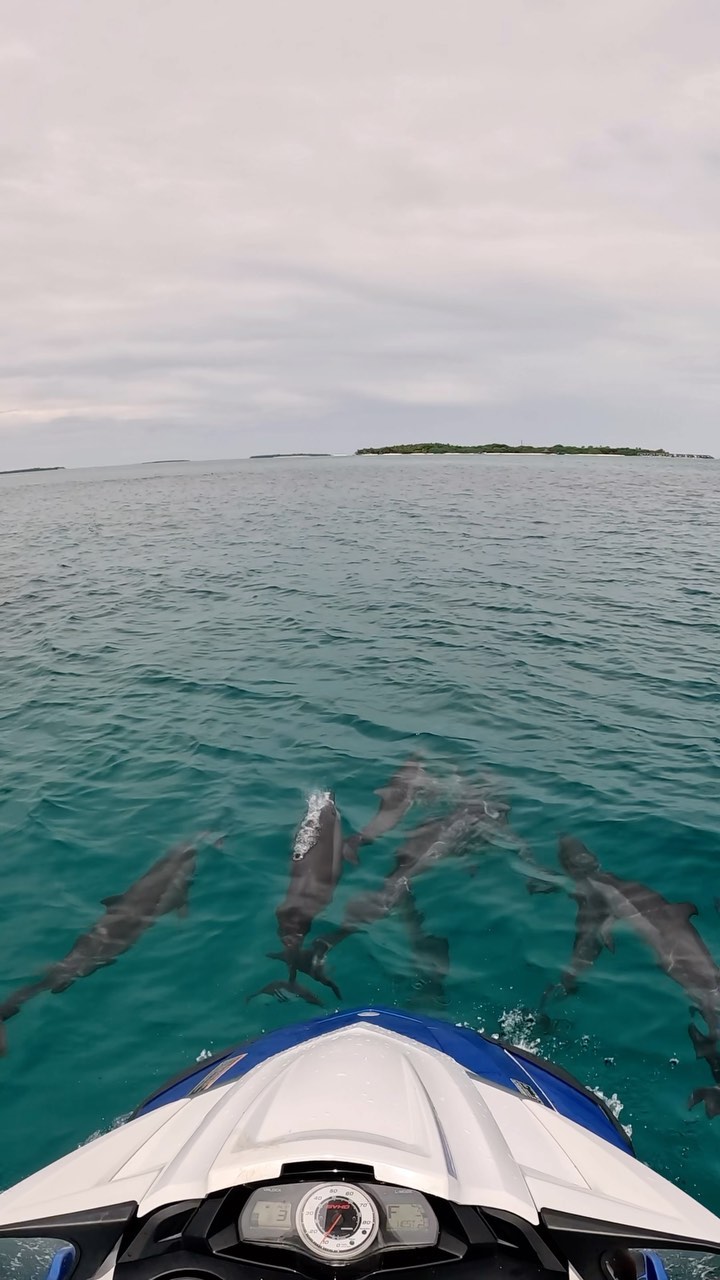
pixel 270 1213
pixel 406 1217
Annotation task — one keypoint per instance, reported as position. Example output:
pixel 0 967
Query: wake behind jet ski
pixel 374 1141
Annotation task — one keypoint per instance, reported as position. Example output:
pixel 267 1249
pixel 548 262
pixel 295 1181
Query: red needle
pixel 332 1226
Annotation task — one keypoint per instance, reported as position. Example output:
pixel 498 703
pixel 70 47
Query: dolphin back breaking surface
pixel 315 869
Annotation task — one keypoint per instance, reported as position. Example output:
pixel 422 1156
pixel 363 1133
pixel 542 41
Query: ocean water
pixel 202 646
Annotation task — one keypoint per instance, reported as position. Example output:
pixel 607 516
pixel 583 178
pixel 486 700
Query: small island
pixel 26 471
pixel 255 457
pixel 604 450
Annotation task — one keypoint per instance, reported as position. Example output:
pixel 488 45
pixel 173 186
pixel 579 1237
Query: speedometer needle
pixel 332 1226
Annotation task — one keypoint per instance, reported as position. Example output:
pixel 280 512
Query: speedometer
pixel 337 1221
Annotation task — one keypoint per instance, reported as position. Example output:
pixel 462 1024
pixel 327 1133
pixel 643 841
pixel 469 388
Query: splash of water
pixel 308 829
pixel 614 1104
pixel 518 1026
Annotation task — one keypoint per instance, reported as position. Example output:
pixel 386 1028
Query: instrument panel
pixel 338 1222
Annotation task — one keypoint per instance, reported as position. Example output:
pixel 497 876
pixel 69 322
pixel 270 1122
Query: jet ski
pixel 366 1142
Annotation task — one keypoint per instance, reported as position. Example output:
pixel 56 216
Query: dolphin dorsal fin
pixel 684 910
pixel 112 901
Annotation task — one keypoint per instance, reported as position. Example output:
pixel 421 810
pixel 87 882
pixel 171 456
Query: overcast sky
pixel 240 226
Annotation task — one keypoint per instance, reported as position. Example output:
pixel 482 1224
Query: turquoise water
pixel 201 646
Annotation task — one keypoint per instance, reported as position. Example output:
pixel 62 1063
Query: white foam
pixel 308 829
pixel 518 1026
pixel 614 1104
pixel 100 1133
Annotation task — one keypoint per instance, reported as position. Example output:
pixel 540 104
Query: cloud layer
pixel 231 228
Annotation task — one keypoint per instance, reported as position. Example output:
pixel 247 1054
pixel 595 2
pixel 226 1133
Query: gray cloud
pixel 234 228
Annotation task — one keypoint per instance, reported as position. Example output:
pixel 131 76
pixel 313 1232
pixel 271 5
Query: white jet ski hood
pixel 412 1103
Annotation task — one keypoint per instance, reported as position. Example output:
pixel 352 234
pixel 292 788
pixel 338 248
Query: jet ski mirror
pixel 665 1264
pixel 634 1264
pixel 62 1264
pixel 36 1258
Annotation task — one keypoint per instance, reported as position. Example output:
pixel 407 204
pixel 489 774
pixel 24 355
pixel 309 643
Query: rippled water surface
pixel 201 646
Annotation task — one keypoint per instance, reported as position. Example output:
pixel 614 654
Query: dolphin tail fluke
pixel 279 990
pixel 276 989
pixel 711 1098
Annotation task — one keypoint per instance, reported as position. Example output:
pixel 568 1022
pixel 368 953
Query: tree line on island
pixel 606 449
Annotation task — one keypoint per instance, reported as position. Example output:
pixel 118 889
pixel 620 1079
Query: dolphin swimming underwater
pixel 604 899
pixel 128 915
pixel 431 953
pixel 475 822
pixel 316 866
pixel 706 1047
pixel 397 796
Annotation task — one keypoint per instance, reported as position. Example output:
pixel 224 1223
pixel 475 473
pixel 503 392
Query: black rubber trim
pixel 94 1233
pixel 149 1238
pixel 548 1260
pixel 615 1233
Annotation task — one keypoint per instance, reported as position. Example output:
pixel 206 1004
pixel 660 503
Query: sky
pixel 233 227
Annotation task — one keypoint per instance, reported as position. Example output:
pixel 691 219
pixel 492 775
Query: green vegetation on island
pixel 602 449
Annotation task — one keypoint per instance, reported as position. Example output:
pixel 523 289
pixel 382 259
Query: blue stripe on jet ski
pixel 488 1059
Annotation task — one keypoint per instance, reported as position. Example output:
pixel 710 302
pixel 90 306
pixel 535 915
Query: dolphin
pixel 710 1095
pixel 128 915
pixel 278 989
pixel 604 899
pixel 315 869
pixel 452 835
pixel 397 796
pixel 431 953
pixel 474 823
pixel 706 1047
